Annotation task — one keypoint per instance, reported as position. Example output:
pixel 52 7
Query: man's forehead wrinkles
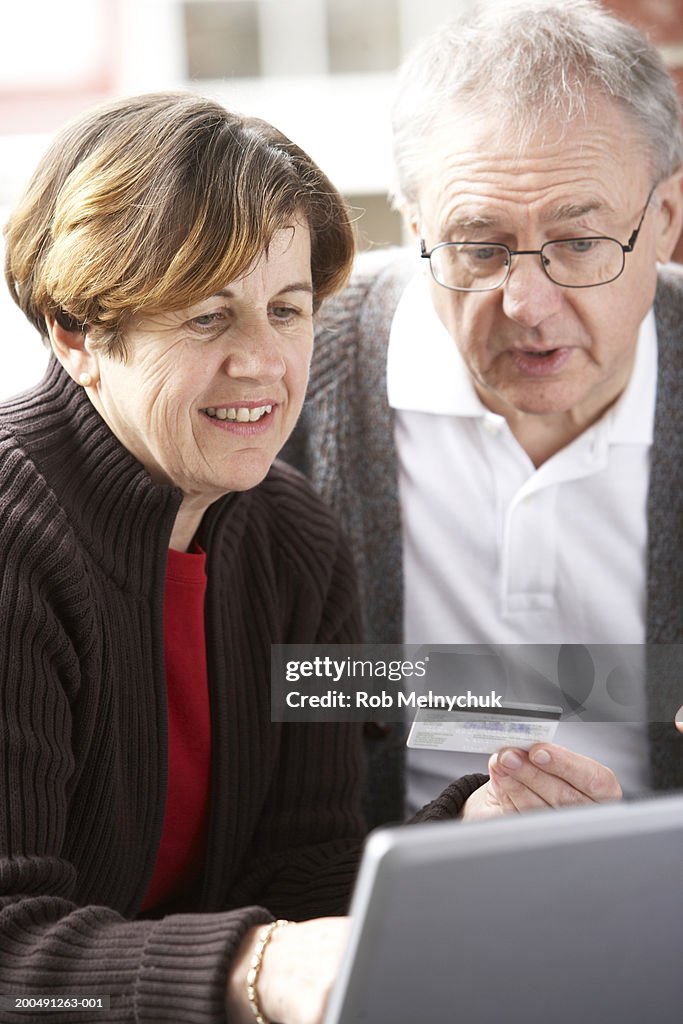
pixel 494 211
pixel 576 173
pixel 556 211
pixel 486 157
pixel 456 182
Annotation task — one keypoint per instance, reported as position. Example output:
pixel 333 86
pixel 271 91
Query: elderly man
pixel 497 414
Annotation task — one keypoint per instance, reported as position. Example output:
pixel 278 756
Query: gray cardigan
pixel 344 443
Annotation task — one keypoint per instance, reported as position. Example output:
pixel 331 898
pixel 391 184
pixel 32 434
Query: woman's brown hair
pixel 154 203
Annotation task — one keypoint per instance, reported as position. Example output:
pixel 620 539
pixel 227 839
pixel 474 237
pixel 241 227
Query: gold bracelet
pixel 265 935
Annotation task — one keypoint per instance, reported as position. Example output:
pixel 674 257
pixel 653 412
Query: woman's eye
pixel 284 312
pixel 207 320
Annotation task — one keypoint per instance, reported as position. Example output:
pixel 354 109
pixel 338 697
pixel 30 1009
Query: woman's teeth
pixel 240 414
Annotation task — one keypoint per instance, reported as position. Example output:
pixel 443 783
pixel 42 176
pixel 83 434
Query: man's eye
pixel 578 246
pixel 485 253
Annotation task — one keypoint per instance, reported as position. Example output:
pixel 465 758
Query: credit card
pixel 484 730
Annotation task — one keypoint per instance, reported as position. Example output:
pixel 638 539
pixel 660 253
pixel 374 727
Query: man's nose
pixel 529 296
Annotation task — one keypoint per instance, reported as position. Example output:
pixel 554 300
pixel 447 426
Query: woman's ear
pixel 669 215
pixel 72 350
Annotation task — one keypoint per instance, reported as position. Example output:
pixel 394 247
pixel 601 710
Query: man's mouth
pixel 239 413
pixel 540 362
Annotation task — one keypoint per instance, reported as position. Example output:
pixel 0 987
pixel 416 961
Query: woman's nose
pixel 256 355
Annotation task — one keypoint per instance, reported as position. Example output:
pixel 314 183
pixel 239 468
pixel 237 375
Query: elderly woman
pixel 152 819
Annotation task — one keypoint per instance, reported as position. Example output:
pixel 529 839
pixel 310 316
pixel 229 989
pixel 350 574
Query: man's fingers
pixel 527 787
pixel 514 796
pixel 584 774
pixel 559 776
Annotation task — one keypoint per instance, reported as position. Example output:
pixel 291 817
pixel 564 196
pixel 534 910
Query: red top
pixel 189 729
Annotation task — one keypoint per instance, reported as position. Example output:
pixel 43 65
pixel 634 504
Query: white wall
pixel 341 120
pixel 22 353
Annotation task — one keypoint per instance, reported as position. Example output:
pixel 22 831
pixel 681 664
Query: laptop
pixel 557 916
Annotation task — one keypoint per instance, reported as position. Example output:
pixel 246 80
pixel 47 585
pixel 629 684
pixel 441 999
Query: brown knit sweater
pixel 83 540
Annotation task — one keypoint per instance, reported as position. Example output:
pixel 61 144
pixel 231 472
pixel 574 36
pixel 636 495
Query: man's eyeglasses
pixel 569 262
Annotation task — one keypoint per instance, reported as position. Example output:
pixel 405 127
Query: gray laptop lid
pixel 565 916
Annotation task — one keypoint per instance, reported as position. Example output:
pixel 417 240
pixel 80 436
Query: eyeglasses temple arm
pixel 630 245
pixel 632 240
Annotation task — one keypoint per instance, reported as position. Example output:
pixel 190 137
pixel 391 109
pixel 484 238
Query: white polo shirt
pixel 497 551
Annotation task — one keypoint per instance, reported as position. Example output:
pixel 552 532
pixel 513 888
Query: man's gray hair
pixel 524 61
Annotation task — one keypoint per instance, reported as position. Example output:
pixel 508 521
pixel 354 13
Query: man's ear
pixel 72 350
pixel 669 215
pixel 411 219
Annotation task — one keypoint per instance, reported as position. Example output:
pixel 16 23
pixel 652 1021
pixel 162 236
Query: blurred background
pixel 320 70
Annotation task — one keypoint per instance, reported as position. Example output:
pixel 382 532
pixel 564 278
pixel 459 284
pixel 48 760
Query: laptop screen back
pixel 566 916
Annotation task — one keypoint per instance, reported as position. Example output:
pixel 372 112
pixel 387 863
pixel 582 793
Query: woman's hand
pixel 298 969
pixel 545 776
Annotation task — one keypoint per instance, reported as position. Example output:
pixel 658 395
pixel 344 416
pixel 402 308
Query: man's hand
pixel 545 776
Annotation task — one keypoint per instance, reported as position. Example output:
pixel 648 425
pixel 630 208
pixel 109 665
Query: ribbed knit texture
pixel 344 442
pixel 83 540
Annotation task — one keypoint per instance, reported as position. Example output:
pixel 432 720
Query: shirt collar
pixel 631 419
pixel 426 373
